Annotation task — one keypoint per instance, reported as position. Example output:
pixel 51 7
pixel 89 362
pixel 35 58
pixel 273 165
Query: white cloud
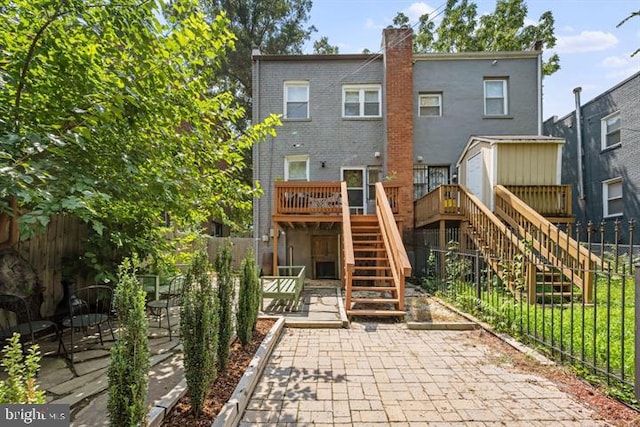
pixel 616 61
pixel 586 41
pixel 621 66
pixel 371 25
pixel 416 10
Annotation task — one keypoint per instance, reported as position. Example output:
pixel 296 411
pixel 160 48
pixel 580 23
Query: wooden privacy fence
pixel 240 246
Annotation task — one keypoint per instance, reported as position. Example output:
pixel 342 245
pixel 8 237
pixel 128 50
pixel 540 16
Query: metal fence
pixel 598 337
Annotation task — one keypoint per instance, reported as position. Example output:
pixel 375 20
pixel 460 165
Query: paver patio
pixel 386 375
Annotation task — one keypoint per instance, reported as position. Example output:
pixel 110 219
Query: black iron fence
pixel 597 337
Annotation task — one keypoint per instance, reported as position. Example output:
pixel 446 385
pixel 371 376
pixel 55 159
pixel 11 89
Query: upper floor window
pixel 610 130
pixel 495 97
pixel 430 104
pixel 296 100
pixel 612 197
pixel 361 101
pixel 296 168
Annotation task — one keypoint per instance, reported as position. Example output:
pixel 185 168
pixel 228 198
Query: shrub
pixel 20 385
pixel 129 368
pixel 199 329
pixel 225 297
pixel 248 299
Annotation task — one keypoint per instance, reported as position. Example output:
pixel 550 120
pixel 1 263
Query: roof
pixel 336 57
pixel 508 139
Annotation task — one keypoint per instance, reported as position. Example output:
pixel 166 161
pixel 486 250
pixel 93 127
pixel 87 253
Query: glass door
pixel 354 177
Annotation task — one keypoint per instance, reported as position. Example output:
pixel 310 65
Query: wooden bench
pixel 287 285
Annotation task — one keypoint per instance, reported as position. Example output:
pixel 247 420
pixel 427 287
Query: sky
pixel 594 54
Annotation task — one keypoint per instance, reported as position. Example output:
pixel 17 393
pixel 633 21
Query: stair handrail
pixel 347 240
pixel 398 258
pixel 501 241
pixel 567 254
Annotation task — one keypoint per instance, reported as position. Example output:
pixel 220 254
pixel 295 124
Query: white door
pixel 474 175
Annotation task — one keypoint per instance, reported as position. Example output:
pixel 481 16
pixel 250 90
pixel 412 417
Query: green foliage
pixel 225 297
pixel 108 113
pixel 249 297
pixel 323 47
pixel 457 266
pixel 462 30
pixel 20 385
pixel 199 329
pixel 129 368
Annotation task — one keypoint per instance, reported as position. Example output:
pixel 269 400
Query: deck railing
pixel 348 258
pixel 393 196
pixel 398 259
pixel 308 198
pixel 563 252
pixel 444 200
pixel 547 200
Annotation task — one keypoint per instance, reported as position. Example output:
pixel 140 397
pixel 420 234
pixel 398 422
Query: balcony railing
pixel 548 200
pixel 444 200
pixel 393 196
pixel 307 198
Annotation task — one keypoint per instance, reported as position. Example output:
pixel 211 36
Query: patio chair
pixel 95 310
pixel 170 296
pixel 17 317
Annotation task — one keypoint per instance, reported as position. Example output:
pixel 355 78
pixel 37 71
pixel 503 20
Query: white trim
pixel 361 99
pixel 606 199
pixel 604 131
pixel 505 96
pixel 493 167
pixel 296 158
pixel 294 83
pixel 430 94
pixel 559 165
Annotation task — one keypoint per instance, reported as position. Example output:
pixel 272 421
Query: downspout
pixel 538 48
pixel 576 92
pixel 256 158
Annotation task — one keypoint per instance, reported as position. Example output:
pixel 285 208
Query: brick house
pixel 606 133
pixel 396 117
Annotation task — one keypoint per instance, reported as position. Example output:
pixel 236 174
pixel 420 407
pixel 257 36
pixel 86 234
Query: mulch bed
pixel 224 385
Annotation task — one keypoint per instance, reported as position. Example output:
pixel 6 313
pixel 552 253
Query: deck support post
pixel 276 232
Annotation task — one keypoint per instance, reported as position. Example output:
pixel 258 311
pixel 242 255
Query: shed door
pixel 474 175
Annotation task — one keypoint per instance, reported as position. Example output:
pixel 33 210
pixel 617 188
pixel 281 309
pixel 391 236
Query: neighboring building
pixel 607 186
pixel 397 116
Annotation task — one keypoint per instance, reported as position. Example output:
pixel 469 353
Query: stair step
pixel 375 300
pixel 372 267
pixel 366 234
pixel 359 242
pixel 355 288
pixel 558 294
pixel 371 259
pixel 368 249
pixel 372 278
pixel 376 313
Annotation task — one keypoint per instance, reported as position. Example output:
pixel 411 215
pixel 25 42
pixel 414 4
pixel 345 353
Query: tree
pixel 632 15
pixel 108 113
pixel 275 27
pixel 322 47
pixel 461 30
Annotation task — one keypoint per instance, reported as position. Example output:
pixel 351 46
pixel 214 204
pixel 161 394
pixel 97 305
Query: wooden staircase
pixel 373 289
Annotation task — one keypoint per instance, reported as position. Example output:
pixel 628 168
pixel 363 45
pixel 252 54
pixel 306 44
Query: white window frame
pixel 438 96
pixel 296 159
pixel 361 98
pixel 287 85
pixel 505 96
pixel 357 209
pixel 604 128
pixel 606 199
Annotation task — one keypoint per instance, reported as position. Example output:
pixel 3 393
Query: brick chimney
pixel 398 62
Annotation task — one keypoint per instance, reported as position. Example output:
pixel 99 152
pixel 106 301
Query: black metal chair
pixel 22 321
pixel 94 310
pixel 169 297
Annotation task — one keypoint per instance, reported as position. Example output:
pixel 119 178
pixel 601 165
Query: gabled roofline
pixel 507 139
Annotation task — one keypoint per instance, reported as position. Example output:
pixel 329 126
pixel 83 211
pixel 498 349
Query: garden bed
pixel 225 384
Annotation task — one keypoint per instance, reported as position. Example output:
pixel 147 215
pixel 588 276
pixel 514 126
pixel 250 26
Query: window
pixel 495 97
pixel 374 174
pixel 361 101
pixel 296 168
pixel 428 178
pixel 610 130
pixel 296 100
pixel 612 197
pixel 430 104
pixel 354 177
